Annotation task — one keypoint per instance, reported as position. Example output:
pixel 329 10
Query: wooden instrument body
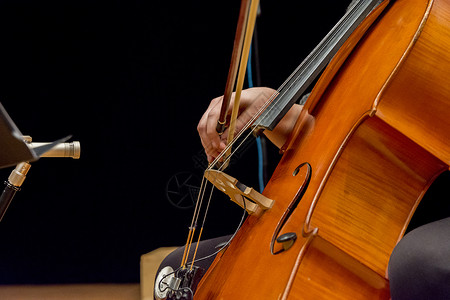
pixel 376 135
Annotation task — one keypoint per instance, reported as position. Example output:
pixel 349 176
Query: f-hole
pixel 292 206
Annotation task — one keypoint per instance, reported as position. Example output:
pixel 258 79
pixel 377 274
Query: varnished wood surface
pixel 371 192
pixel 325 281
pixel 423 82
pixel 367 175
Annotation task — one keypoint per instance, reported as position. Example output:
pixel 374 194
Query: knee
pixel 419 267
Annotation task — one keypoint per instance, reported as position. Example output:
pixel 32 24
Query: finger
pixel 206 128
pixel 211 124
pixel 209 150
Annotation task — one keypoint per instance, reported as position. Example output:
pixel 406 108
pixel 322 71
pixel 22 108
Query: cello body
pixel 376 133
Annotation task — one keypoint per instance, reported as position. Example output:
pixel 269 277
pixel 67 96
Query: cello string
pixel 200 197
pixel 227 243
pixel 205 257
pixel 201 228
pixel 237 51
pixel 298 73
pixel 306 64
pixel 232 139
pixel 251 19
pixel 238 135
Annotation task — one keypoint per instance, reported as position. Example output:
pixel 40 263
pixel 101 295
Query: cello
pixel 370 140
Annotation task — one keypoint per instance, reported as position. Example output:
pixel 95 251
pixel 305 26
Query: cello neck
pixel 306 73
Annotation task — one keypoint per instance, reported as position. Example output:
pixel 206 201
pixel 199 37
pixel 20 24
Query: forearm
pixel 280 133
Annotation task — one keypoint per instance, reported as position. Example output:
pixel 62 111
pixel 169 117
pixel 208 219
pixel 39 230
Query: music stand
pixel 13 148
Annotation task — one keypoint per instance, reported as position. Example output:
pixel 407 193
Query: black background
pixel 129 80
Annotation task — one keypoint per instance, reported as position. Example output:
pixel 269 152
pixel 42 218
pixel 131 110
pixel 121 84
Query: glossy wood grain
pixel 368 173
pixel 326 272
pixel 422 83
pixel 377 182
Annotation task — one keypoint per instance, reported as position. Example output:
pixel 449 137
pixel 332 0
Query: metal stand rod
pixel 6 198
pixel 18 175
pixel 13 184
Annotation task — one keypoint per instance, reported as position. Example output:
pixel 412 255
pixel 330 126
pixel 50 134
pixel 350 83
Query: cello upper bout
pixel 417 100
pixel 334 66
pixel 373 76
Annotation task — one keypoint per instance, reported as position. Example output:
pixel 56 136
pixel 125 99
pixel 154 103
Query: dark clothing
pixel 419 267
pixel 205 249
pixel 206 253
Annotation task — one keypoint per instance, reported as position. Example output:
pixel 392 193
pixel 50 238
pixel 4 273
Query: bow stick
pixel 243 50
pixel 242 43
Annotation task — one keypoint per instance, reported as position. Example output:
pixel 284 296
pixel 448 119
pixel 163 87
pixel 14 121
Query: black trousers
pixel 205 249
pixel 419 267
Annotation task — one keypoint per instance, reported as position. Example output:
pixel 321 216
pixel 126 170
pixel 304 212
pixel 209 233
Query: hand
pixel 251 101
